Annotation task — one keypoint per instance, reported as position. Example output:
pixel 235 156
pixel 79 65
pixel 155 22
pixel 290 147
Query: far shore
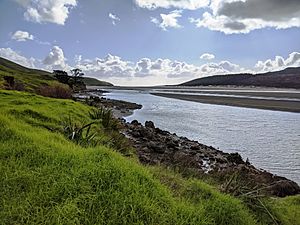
pixel 277 105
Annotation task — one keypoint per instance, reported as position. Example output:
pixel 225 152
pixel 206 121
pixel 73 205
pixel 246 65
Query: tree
pixel 77 75
pixel 61 76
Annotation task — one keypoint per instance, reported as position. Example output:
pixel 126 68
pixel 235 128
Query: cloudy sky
pixel 150 42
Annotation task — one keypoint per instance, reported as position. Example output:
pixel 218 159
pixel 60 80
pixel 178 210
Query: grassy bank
pixel 48 179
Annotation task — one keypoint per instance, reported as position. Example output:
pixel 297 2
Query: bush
pixel 106 118
pixel 56 90
pixel 10 83
pixel 79 133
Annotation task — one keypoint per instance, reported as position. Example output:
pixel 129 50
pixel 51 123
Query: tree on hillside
pixel 77 75
pixel 61 76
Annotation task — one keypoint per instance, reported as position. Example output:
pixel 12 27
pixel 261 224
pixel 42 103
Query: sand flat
pixel 240 101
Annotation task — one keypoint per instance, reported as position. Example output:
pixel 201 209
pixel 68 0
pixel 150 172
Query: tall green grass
pixel 48 179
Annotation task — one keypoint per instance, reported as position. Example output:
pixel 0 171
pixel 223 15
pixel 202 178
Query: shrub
pixel 79 133
pixel 11 84
pixel 106 118
pixel 56 90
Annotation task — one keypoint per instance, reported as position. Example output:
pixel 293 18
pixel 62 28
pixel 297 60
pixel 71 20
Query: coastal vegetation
pixel 66 162
pixel 48 178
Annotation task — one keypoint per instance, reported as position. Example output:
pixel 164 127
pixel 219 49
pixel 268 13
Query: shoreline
pixel 159 147
pixel 242 101
pixel 96 98
pixel 194 159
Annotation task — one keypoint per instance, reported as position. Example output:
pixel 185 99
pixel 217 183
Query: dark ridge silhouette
pixel 287 78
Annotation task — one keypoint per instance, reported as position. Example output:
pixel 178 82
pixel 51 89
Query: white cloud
pixel 180 4
pixel 22 36
pixel 10 54
pixel 146 71
pixel 114 18
pixel 77 59
pixel 47 11
pixel 207 56
pixel 42 42
pixel 155 21
pixel 152 72
pixel 243 16
pixel 223 67
pixel 110 66
pixel 143 67
pixel 293 60
pixel 168 20
pixel 56 60
pixel 118 71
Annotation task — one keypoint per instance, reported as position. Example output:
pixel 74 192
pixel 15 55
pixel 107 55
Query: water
pixel 269 139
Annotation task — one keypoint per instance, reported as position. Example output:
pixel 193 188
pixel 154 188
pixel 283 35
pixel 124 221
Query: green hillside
pixel 48 179
pixel 95 82
pixel 33 79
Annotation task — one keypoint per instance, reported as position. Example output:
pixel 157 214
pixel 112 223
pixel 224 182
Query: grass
pixel 48 179
pixel 34 79
pixel 265 210
pixel 287 210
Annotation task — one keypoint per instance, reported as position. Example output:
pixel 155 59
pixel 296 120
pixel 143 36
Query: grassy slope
pixel 46 179
pixel 32 78
pixel 95 82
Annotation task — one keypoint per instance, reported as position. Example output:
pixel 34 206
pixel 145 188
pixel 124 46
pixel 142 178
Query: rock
pixel 156 147
pixel 195 147
pixel 284 188
pixel 135 122
pixel 162 132
pixel 136 134
pixel 146 133
pixel 235 158
pixel 171 144
pixel 145 159
pixel 149 124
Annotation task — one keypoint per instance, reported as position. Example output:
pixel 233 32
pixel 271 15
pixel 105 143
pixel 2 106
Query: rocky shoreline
pixel 95 98
pixel 191 158
pixel 158 147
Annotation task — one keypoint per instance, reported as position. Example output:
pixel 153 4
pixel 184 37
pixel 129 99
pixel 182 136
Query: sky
pixel 151 42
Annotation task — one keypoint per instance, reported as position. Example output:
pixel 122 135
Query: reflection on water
pixel 270 139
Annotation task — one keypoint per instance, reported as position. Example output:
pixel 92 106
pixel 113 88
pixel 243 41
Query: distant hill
pixel 95 82
pixel 30 78
pixel 33 78
pixel 287 78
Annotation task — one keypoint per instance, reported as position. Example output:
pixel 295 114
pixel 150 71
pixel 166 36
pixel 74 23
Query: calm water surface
pixel 269 139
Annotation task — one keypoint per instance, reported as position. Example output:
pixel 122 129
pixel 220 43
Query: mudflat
pixel 240 101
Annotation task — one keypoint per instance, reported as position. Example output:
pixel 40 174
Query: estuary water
pixel 269 139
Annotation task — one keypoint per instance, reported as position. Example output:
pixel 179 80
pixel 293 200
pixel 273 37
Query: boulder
pixel 156 147
pixel 135 122
pixel 149 124
pixel 284 188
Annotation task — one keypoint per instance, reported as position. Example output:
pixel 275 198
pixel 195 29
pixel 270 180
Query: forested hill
pixel 287 78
